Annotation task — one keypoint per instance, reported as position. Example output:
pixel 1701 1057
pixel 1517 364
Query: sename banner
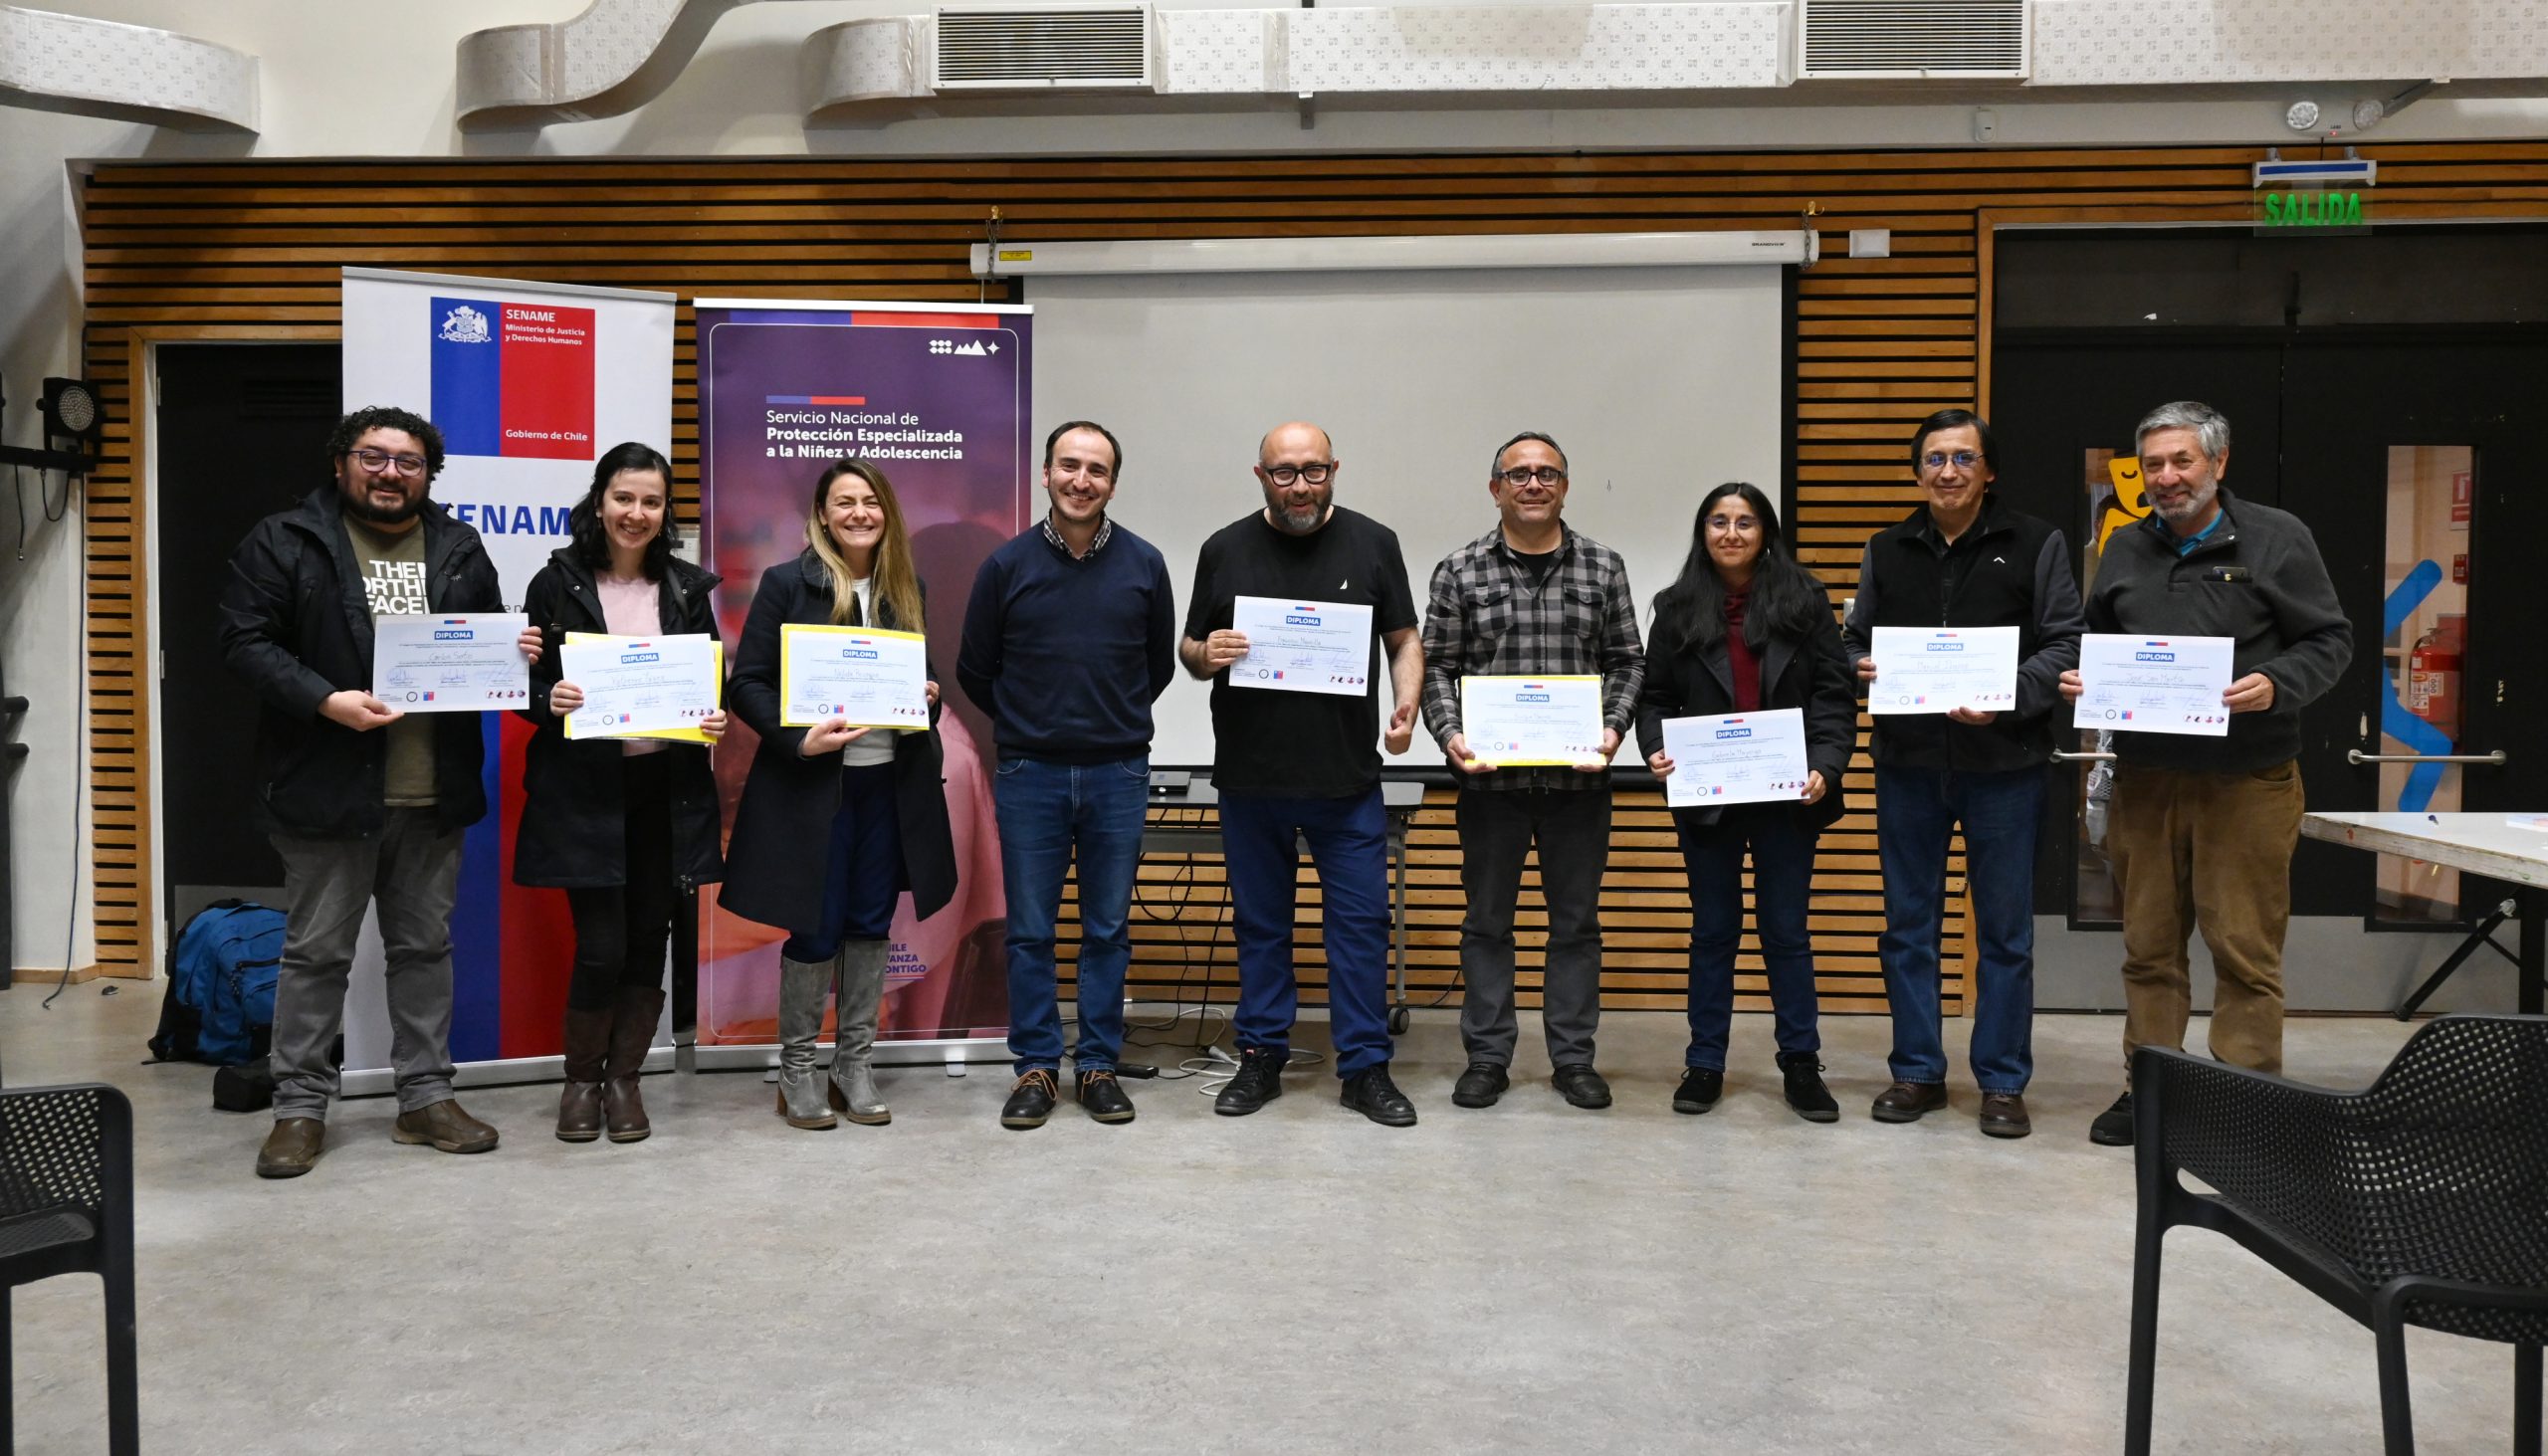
pixel 528 383
pixel 935 397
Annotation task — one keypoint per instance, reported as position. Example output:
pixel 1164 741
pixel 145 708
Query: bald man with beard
pixel 1294 766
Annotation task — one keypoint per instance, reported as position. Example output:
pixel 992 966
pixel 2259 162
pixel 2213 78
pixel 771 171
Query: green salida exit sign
pixel 2313 210
pixel 2319 196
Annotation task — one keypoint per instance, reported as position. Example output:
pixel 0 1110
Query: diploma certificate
pixel 1518 722
pixel 2154 685
pixel 473 664
pixel 1303 647
pixel 639 685
pixel 870 677
pixel 1735 758
pixel 1934 669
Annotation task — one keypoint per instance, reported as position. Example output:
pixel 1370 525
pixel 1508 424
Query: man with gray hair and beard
pixel 2202 830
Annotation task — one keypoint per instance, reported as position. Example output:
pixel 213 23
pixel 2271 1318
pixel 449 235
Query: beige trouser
pixel 2209 850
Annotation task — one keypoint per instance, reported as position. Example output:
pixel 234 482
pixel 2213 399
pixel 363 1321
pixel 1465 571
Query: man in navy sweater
pixel 1070 636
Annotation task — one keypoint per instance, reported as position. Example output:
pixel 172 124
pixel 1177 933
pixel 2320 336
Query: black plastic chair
pixel 66 1207
pixel 2421 1199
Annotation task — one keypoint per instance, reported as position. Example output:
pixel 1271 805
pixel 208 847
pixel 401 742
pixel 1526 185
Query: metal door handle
pixel 2062 757
pixel 2356 755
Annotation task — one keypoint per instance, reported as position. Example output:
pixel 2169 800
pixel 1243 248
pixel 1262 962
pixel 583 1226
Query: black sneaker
pixel 1098 1090
pixel 1371 1093
pixel 1479 1086
pixel 1258 1080
pixel 1700 1088
pixel 1580 1084
pixel 2113 1126
pixel 1806 1093
pixel 1031 1100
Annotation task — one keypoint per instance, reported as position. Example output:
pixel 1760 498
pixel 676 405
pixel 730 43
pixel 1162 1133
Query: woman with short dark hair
pixel 625 826
pixel 1746 629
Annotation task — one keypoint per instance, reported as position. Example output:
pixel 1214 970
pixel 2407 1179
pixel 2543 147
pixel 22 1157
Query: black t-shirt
pixel 1536 563
pixel 1317 746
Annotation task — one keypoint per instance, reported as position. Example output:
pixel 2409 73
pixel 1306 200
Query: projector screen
pixel 1659 383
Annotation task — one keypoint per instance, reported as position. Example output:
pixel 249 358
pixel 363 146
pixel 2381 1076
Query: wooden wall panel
pixel 250 249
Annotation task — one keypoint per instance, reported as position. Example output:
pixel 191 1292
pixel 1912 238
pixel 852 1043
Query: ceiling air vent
pixel 1044 47
pixel 1868 40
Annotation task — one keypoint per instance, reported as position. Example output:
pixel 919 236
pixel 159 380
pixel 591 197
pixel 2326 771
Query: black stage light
pixel 71 410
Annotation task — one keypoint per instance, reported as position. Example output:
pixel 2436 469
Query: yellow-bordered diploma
pixel 867 676
pixel 605 715
pixel 1524 722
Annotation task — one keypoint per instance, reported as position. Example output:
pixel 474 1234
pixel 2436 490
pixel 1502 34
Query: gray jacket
pixel 2257 579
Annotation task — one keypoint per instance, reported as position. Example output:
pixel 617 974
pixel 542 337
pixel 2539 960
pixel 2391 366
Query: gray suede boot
pixel 800 1025
pixel 861 994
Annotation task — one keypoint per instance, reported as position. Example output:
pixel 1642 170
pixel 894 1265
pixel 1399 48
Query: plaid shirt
pixel 1490 617
pixel 1096 543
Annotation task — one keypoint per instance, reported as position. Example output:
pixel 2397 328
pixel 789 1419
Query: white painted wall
pixel 368 78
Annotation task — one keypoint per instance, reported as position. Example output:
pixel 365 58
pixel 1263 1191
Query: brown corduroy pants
pixel 2210 851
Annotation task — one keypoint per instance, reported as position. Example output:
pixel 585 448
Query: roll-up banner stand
pixel 528 383
pixel 936 397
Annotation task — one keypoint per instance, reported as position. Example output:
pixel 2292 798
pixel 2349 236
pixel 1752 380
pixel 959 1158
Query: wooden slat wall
pixel 251 250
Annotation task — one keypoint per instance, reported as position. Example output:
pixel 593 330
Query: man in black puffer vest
pixel 1964 560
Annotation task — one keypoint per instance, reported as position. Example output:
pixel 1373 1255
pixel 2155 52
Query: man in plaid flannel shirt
pixel 1527 598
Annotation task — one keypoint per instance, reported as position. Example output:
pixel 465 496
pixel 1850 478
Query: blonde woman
pixel 835 821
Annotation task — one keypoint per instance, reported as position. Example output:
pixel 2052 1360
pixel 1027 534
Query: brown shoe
pixel 580 1112
pixel 2003 1115
pixel 292 1148
pixel 1905 1101
pixel 445 1126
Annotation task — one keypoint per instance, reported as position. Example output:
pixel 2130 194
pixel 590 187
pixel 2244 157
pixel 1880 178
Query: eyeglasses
pixel 379 459
pixel 1936 459
pixel 1734 522
pixel 1284 475
pixel 1522 475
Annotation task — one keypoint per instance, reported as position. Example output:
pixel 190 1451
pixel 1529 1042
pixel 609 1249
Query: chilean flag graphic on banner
pixel 513 379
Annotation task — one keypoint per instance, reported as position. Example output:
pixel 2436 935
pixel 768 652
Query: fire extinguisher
pixel 2433 683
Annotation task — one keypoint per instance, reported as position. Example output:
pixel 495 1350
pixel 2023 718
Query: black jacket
pixel 1683 679
pixel 2008 570
pixel 2258 579
pixel 574 831
pixel 774 861
pixel 295 624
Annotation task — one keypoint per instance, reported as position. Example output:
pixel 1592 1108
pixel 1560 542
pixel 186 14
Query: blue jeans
pixel 1917 810
pixel 1046 809
pixel 1349 841
pixel 862 869
pixel 1781 885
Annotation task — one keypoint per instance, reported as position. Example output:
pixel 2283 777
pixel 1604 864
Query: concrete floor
pixel 1529 1278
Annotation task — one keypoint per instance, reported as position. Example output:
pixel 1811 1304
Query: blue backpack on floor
pixel 220 1006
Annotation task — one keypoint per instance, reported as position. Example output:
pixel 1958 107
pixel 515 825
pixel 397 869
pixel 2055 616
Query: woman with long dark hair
pixel 1746 628
pixel 625 826
pixel 836 821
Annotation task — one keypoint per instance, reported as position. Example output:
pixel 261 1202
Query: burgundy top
pixel 1745 668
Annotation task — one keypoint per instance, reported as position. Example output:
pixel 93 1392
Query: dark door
pixel 2397 448
pixel 2430 508
pixel 2063 408
pixel 241 433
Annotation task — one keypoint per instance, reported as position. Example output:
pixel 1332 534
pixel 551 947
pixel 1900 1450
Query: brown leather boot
pixel 587 1056
pixel 632 1032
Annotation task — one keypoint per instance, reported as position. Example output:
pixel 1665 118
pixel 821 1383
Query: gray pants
pixel 1497 829
pixel 412 870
